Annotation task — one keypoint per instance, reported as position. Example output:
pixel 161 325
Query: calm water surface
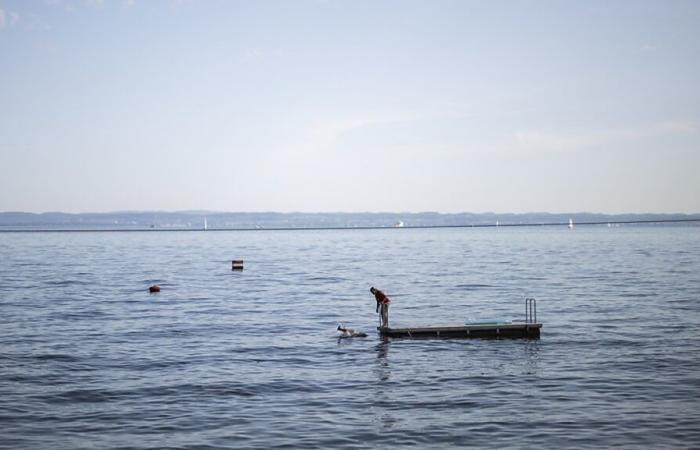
pixel 222 359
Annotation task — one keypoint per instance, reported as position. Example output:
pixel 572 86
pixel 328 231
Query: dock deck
pixel 528 330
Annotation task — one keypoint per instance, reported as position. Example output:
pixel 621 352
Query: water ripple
pixel 88 359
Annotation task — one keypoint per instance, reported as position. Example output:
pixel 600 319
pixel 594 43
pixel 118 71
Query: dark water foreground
pixel 221 359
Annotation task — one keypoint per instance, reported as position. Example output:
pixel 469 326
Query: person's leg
pixel 385 315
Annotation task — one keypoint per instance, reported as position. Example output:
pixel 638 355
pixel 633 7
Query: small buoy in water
pixel 237 264
pixel 154 288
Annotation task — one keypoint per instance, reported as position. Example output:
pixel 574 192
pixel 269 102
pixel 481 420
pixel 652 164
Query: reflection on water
pixel 382 365
pixel 384 415
pixel 531 357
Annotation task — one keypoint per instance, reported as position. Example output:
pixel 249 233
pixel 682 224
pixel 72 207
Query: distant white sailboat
pixel 571 224
pixel 205 224
pixel 398 224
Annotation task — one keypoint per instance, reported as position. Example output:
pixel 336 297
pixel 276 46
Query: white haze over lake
pixel 328 106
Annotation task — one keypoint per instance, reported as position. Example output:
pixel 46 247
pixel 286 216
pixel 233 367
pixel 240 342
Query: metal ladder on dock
pixel 530 310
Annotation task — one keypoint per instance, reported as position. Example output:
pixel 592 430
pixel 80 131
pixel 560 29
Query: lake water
pixel 220 359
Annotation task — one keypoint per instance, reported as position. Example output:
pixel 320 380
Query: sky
pixel 350 106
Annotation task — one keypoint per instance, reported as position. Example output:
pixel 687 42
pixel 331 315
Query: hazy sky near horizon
pixel 324 106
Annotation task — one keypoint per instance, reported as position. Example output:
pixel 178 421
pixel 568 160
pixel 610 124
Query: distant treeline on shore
pixel 198 220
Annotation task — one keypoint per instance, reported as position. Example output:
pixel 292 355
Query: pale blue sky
pixel 450 106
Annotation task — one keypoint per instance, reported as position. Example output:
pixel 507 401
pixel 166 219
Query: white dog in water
pixel 349 332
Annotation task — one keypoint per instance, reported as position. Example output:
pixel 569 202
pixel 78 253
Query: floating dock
pixel 530 330
pixel 491 328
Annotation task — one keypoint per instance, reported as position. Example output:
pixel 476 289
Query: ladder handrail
pixel 530 310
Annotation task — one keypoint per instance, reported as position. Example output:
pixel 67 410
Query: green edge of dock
pixel 530 330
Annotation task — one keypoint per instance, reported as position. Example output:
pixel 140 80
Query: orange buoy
pixel 154 288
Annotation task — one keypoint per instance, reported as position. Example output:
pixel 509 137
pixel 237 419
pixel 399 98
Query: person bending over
pixel 382 306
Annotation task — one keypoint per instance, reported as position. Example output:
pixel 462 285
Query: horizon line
pixel 200 212
pixel 413 227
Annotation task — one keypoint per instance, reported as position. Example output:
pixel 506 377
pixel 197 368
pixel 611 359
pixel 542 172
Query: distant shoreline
pixel 29 229
pixel 247 221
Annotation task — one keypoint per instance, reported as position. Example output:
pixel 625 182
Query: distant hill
pixel 193 220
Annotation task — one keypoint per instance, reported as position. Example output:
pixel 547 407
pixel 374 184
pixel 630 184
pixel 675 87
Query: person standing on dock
pixel 382 306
